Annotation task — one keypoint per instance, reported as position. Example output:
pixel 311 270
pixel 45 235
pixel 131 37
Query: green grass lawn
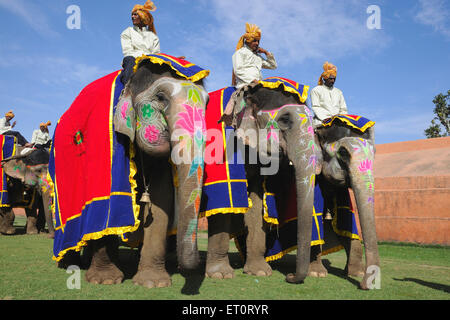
pixel 407 272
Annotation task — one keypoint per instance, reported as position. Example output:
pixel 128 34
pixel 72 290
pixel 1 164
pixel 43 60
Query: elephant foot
pixel 51 235
pixel 219 270
pixel 8 230
pixel 107 274
pixel 31 225
pixel 259 268
pixel 151 278
pixel 355 270
pixel 355 266
pixel 32 231
pixel 317 270
pixel 294 279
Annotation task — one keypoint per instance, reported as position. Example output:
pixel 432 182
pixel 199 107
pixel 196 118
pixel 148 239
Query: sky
pixel 392 56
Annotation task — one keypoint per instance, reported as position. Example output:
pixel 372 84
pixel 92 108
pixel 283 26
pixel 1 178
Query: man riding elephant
pixel 6 128
pixel 326 99
pixel 247 66
pixel 247 61
pixel 140 39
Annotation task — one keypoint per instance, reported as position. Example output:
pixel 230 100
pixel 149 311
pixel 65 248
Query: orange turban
pixel 252 32
pixel 144 13
pixel 10 114
pixel 328 70
pixel 48 123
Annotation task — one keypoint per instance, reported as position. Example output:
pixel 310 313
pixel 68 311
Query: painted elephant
pixel 279 130
pixel 347 161
pixel 163 115
pixel 28 187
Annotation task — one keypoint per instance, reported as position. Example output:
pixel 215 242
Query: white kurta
pixel 247 65
pixel 40 137
pixel 136 42
pixel 327 102
pixel 4 125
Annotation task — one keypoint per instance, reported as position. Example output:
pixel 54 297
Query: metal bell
pixel 328 215
pixel 145 197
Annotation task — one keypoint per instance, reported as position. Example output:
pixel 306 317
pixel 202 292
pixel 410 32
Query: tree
pixel 440 125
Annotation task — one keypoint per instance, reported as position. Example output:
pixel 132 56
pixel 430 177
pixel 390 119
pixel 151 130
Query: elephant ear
pixel 125 117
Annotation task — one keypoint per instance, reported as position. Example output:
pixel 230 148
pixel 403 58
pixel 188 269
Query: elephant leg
pixel 152 271
pixel 255 263
pixel 7 221
pixel 46 209
pixel 316 268
pixel 31 221
pixel 217 262
pixel 353 249
pixel 40 222
pixel 103 268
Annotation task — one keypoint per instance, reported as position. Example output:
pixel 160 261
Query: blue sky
pixel 389 75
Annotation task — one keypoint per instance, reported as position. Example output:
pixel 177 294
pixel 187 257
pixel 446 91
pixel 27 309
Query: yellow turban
pixel 10 114
pixel 48 123
pixel 144 13
pixel 328 70
pixel 252 32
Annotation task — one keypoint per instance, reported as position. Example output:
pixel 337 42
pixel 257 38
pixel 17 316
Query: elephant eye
pixel 161 97
pixel 344 155
pixel 285 122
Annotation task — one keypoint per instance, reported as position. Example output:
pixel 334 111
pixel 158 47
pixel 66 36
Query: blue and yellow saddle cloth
pixel 283 237
pixel 225 182
pixel 356 122
pixel 281 215
pixel 183 68
pixel 8 150
pixel 301 91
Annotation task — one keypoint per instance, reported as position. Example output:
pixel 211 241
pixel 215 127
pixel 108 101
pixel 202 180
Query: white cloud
pixel 32 15
pixel 435 13
pixel 299 30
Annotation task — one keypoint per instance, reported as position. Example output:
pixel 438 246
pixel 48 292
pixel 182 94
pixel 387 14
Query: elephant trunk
pixel 362 184
pixel 187 199
pixel 188 138
pixel 303 157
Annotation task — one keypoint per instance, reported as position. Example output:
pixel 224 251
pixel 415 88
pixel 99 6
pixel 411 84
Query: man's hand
pixel 13 124
pixel 261 50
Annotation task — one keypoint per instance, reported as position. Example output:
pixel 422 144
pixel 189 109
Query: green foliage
pixel 407 273
pixel 440 125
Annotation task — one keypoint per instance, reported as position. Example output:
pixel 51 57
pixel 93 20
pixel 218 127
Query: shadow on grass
pixel 432 285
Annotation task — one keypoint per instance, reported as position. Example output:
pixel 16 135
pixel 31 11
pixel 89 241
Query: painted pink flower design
pixel 365 165
pixel 192 120
pixel 123 110
pixel 151 133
